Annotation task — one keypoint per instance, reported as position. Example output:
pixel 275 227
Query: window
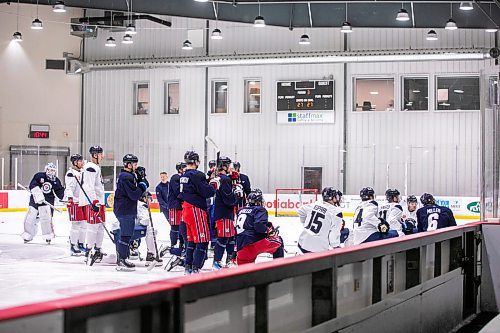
pixel 457 93
pixel 141 98
pixel 252 96
pixel 415 94
pixel 374 94
pixel 219 96
pixel 171 98
pixel 313 177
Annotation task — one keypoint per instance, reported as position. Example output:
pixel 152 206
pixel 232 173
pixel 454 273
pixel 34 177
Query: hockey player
pixel 177 225
pixel 144 220
pixel 44 187
pixel 244 181
pixel 255 234
pixel 431 216
pixel 75 211
pixel 322 222
pixel 368 227
pixel 129 189
pixel 162 194
pixel 392 212
pixel 410 215
pixel 92 200
pixel 225 202
pixel 194 191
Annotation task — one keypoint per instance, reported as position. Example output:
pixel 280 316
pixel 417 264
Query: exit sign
pixel 39 131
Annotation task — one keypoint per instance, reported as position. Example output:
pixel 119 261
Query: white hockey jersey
pixel 392 212
pixel 72 189
pixel 142 214
pixel 365 221
pixel 92 184
pixel 322 223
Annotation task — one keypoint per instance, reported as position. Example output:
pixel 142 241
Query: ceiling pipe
pixel 97 20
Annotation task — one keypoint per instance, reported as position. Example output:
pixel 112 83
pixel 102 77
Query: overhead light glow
pixel 466 5
pixel 432 35
pixel 491 30
pixel 110 42
pixel 259 22
pixel 451 25
pixel 416 91
pixel 458 91
pixel 17 37
pixel 127 39
pixel 346 28
pixel 36 24
pixel 216 34
pixel 402 15
pixel 59 7
pixel 187 45
pixel 304 40
pixel 373 92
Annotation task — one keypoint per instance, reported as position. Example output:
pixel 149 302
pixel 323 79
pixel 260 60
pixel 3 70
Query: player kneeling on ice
pixel 224 204
pixel 392 212
pixel 368 226
pixel 431 216
pixel 129 190
pixel 44 187
pixel 75 211
pixel 255 234
pixel 322 221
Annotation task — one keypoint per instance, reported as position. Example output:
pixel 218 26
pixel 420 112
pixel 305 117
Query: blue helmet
pixel 179 166
pixel 255 197
pixel 329 193
pixel 427 199
pixel 411 198
pixel 191 157
pixel 95 150
pixel 391 194
pixel 366 193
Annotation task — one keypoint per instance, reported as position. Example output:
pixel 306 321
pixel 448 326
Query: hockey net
pixel 288 200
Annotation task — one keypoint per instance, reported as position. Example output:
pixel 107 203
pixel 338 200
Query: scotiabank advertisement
pixel 4 200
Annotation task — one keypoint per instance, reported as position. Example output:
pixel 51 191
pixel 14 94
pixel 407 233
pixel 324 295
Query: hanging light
pixel 259 21
pixel 304 40
pixel 216 34
pixel 402 15
pixel 127 39
pixel 432 35
pixel 110 42
pixel 59 7
pixel 201 0
pixel 466 5
pixel 17 37
pixel 451 25
pixel 346 26
pixel 491 29
pixel 36 24
pixel 187 45
pixel 130 30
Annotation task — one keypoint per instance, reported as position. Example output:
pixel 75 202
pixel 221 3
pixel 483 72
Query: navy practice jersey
pixel 174 188
pixel 225 200
pixel 48 187
pixel 432 217
pixel 251 225
pixel 162 196
pixel 195 188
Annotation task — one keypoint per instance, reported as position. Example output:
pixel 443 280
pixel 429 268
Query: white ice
pixel 37 272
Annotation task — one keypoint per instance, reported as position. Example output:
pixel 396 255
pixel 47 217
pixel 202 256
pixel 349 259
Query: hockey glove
pixel 235 175
pixel 273 232
pixel 383 227
pixel 409 226
pixel 215 182
pixel 70 202
pixel 238 190
pixel 96 206
pixel 143 186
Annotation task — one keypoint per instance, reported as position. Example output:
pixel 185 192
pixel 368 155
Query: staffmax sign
pixel 307 117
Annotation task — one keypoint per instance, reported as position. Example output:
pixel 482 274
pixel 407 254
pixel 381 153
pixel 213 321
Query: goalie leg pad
pixel 30 224
pixel 45 216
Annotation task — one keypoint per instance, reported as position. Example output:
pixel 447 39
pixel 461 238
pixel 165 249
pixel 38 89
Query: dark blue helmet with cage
pixel 330 193
pixel 255 197
pixel 191 157
pixel 390 194
pixel 427 199
pixel 130 158
pixel 367 193
pixel 95 150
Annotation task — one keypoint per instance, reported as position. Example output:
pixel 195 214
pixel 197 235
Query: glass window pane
pixel 141 98
pixel 457 93
pixel 219 96
pixel 252 96
pixel 415 94
pixel 374 94
pixel 171 98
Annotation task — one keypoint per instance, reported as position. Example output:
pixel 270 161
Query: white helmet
pixel 51 171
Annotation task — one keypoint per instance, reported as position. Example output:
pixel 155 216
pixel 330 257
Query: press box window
pixel 312 177
pixel 374 94
pixel 219 96
pixel 415 94
pixel 171 98
pixel 252 96
pixel 457 93
pixel 141 98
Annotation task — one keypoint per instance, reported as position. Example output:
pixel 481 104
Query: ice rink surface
pixel 36 272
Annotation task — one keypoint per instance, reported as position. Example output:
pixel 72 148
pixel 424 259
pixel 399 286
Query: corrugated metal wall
pixel 440 149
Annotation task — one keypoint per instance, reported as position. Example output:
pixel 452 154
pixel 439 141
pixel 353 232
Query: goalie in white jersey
pixel 322 223
pixel 368 227
pixel 392 211
pixel 410 215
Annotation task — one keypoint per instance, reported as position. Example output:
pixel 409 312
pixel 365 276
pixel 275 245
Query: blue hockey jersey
pixel 174 188
pixel 126 195
pixel 251 225
pixel 432 217
pixel 195 189
pixel 162 190
pixel 50 188
pixel 245 182
pixel 225 200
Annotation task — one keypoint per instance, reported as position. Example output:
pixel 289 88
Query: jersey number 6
pixel 432 221
pixel 314 222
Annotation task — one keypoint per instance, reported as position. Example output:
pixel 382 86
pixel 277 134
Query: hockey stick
pixel 217 150
pixel 153 264
pixel 44 201
pixel 90 202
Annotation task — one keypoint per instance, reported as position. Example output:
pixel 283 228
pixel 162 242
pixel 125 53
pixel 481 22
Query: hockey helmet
pixel 391 194
pixel 255 197
pixel 51 170
pixel 366 193
pixel 212 164
pixel 75 157
pixel 223 161
pixel 329 193
pixel 191 157
pixel 427 199
pixel 236 165
pixel 411 198
pixel 180 166
pixel 95 150
pixel 130 158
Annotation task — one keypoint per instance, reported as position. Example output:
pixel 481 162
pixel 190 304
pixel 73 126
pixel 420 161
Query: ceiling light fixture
pixel 346 26
pixel 59 7
pixel 17 36
pixel 201 0
pixel 491 30
pixel 127 39
pixel 451 24
pixel 216 34
pixel 36 24
pixel 402 14
pixel 187 45
pixel 432 35
pixel 259 21
pixel 466 5
pixel 110 42
pixel 304 40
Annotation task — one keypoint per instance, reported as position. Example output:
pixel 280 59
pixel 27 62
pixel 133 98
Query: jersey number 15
pixel 315 222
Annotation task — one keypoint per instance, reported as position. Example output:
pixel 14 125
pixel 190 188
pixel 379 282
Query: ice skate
pixel 188 270
pixel 48 241
pixel 124 265
pixel 75 250
pixel 216 266
pixel 179 261
pixel 150 258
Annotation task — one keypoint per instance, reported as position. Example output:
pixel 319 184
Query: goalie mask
pixel 51 171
